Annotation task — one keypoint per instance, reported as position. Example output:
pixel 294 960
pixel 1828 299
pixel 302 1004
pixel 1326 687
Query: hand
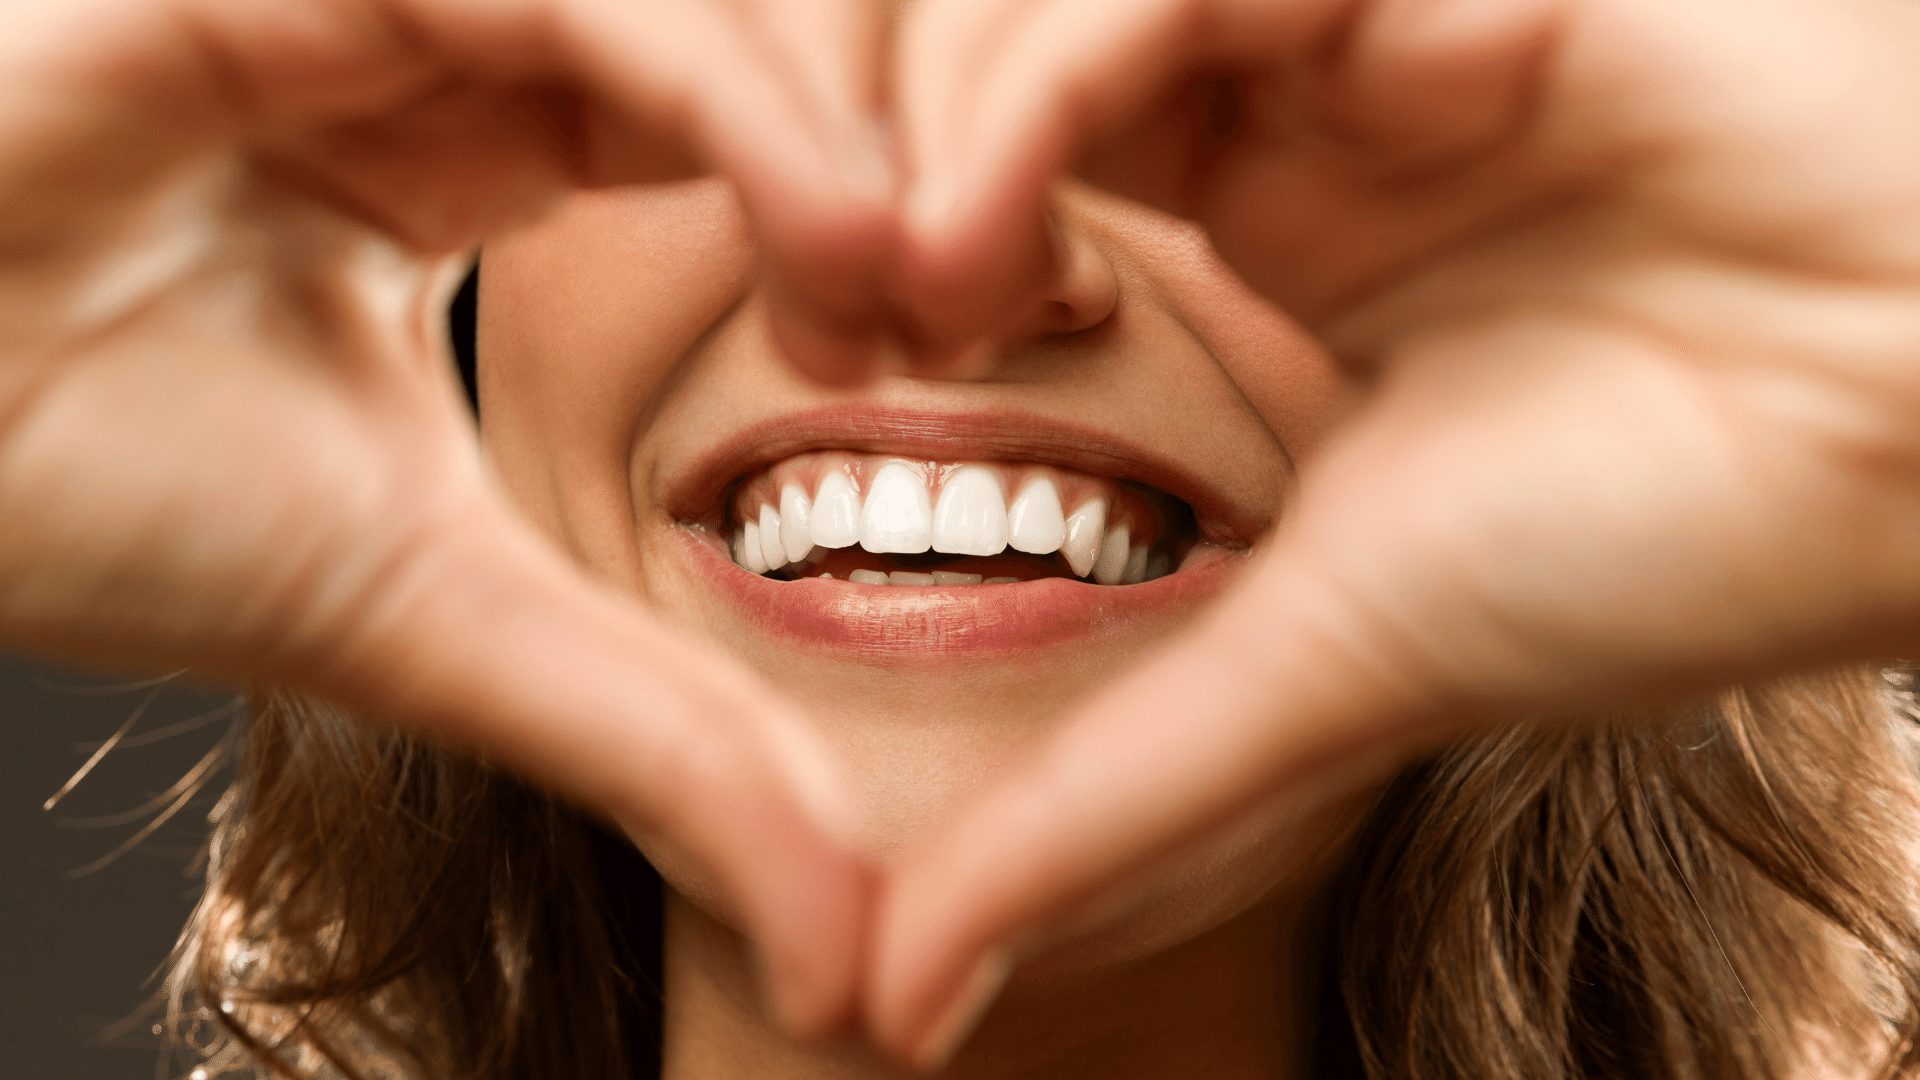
pixel 1637 284
pixel 228 436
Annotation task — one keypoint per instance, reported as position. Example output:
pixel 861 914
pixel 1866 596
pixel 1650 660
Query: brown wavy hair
pixel 1722 891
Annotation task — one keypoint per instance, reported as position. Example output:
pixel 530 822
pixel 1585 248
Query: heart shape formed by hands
pixel 1633 321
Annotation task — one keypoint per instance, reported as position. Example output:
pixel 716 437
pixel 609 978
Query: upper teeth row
pixel 972 517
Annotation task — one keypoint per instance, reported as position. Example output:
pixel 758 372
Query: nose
pixel 1084 290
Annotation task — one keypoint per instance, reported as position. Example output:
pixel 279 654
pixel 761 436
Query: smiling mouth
pixel 878 519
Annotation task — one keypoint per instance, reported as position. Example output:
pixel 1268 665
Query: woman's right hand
pixel 1633 291
pixel 229 437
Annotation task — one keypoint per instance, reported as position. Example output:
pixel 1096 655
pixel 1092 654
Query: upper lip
pixel 998 435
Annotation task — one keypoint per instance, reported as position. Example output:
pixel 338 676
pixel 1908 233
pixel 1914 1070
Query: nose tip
pixel 1084 292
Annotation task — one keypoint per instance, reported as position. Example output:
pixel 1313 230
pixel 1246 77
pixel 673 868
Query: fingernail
pixel 989 975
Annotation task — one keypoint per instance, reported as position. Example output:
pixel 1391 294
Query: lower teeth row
pixel 1117 563
pixel 938 577
pixel 1140 564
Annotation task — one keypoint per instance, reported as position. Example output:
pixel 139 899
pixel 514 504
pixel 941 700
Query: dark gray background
pixel 76 951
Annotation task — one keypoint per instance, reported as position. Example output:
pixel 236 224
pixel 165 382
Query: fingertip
pixel 811 974
pixel 820 278
pixel 920 1016
pixel 956 359
pixel 962 1012
pixel 970 269
pixel 841 352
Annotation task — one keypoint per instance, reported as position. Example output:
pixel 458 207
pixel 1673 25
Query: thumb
pixel 1180 748
pixel 488 637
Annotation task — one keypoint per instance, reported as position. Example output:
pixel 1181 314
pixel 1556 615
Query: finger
pixel 439 122
pixel 985 140
pixel 682 78
pixel 954 293
pixel 780 97
pixel 803 160
pixel 1170 754
pixel 823 287
pixel 797 134
pixel 829 54
pixel 989 114
pixel 489 638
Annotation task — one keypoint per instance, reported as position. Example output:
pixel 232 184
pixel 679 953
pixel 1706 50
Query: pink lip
pixel 931 623
pixel 998 435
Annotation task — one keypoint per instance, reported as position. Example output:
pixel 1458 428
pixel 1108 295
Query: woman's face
pixel 635 406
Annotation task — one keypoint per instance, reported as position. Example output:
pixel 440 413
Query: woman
pixel 1639 896
pixel 1719 270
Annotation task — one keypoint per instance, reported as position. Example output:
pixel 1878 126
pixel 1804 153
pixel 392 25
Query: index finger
pixel 985 135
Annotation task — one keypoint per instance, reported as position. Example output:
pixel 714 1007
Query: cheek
pixel 584 317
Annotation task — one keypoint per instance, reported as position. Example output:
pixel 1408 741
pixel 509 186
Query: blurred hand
pixel 1637 285
pixel 229 439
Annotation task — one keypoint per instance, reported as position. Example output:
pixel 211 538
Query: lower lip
pixel 902 622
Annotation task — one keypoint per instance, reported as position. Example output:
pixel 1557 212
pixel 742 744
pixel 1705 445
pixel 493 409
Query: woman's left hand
pixel 230 439
pixel 1637 287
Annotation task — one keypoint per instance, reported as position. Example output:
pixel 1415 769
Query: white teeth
pixel 796 534
pixel 1111 566
pixel 771 549
pixel 971 518
pixel 897 516
pixel 747 553
pixel 1034 523
pixel 836 513
pixel 1084 529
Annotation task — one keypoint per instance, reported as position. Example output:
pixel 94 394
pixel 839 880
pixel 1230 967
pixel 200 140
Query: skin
pixel 626 340
pixel 1626 301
